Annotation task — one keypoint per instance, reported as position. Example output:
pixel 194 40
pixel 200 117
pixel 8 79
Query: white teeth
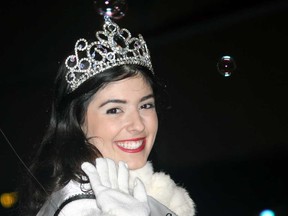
pixel 130 144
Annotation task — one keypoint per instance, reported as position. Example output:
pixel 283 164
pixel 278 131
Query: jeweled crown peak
pixel 113 47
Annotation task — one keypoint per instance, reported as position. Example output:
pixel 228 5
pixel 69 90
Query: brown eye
pixel 147 106
pixel 113 111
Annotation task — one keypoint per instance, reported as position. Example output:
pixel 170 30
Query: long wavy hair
pixel 57 159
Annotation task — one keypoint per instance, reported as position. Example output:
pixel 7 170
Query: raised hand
pixel 110 186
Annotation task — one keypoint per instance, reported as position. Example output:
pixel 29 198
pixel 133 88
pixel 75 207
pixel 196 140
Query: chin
pixel 136 165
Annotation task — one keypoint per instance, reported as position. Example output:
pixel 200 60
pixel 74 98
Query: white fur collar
pixel 162 188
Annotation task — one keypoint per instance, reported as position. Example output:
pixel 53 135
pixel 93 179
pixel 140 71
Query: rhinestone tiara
pixel 113 47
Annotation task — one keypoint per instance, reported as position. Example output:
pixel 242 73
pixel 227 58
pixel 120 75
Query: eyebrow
pixel 125 101
pixel 147 97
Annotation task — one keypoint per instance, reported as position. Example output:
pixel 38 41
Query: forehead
pixel 129 86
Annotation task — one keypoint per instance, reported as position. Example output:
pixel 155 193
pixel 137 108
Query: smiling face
pixel 121 121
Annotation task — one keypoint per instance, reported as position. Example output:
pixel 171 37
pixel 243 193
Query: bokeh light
pixel 226 66
pixel 267 212
pixel 115 9
pixel 8 200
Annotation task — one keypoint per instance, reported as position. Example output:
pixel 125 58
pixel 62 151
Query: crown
pixel 113 47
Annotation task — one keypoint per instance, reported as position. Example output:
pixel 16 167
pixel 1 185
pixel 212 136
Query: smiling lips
pixel 132 145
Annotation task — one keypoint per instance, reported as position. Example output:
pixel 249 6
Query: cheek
pixel 106 131
pixel 153 123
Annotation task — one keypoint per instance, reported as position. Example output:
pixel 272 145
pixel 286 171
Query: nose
pixel 135 123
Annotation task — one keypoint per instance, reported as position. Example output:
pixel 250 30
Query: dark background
pixel 223 138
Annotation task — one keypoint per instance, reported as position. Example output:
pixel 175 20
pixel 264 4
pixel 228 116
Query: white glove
pixel 111 189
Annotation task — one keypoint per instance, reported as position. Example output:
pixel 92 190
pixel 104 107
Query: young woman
pixel 93 158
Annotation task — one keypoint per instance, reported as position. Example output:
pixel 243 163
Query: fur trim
pixel 162 188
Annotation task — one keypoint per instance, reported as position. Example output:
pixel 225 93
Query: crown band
pixel 113 47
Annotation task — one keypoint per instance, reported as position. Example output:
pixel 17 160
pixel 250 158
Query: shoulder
pixel 83 207
pixel 76 207
pixel 161 187
pixel 177 198
pixel 71 200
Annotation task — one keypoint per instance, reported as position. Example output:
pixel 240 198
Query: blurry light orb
pixel 113 8
pixel 8 200
pixel 226 66
pixel 267 212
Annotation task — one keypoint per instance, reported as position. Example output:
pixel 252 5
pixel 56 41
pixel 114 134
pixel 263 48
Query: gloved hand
pixel 111 189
